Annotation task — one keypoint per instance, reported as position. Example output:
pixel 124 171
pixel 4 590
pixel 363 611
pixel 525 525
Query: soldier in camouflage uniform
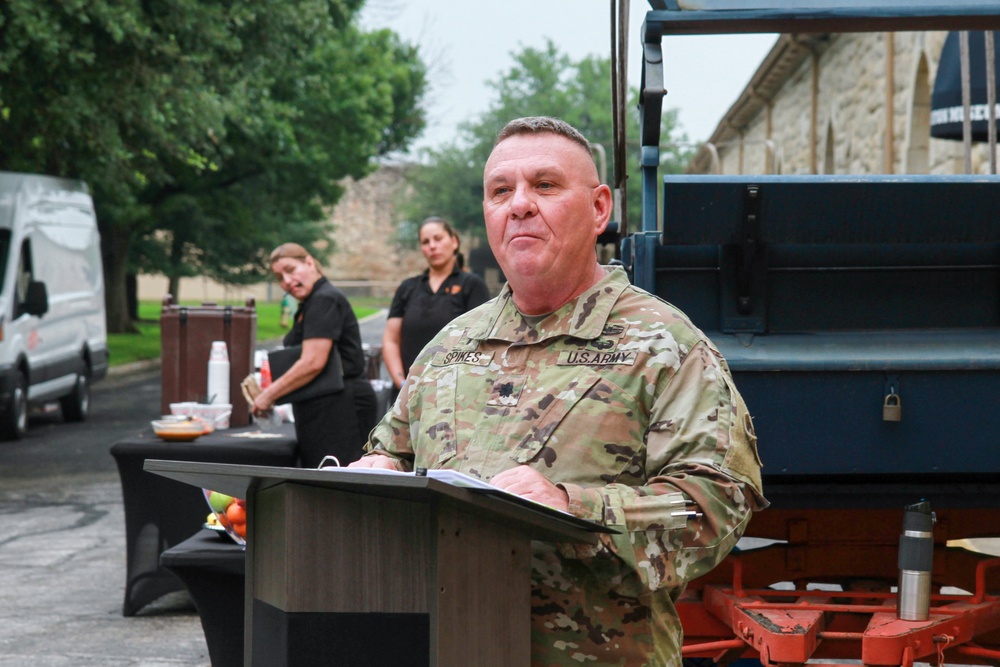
pixel 576 389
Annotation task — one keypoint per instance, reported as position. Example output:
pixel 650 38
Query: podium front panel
pixel 321 550
pixel 482 594
pixel 331 572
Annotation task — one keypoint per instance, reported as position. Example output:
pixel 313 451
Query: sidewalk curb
pixel 133 367
pixel 377 313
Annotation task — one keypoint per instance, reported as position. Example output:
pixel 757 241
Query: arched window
pixel 828 160
pixel 918 128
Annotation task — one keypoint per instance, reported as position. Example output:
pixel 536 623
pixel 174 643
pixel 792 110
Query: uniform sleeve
pixel 701 458
pixel 325 317
pixel 391 436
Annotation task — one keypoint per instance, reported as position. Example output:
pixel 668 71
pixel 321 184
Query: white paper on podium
pixel 452 477
pixel 456 478
pixel 466 481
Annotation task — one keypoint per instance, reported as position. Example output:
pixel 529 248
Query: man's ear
pixel 603 206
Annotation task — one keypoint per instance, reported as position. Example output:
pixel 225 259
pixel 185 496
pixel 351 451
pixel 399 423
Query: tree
pixel 352 99
pixel 208 130
pixel 542 82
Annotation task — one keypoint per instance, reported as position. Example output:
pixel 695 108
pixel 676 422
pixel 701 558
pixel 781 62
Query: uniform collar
pixel 584 317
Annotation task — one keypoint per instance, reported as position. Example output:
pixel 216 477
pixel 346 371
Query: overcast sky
pixel 468 42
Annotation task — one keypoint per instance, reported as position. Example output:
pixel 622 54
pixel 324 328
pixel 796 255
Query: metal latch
pixel 749 246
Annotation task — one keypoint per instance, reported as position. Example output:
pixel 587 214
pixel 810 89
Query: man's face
pixel 544 207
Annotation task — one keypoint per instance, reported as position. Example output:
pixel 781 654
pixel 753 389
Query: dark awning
pixel 946 102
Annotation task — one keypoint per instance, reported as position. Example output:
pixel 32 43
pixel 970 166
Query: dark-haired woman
pixel 425 303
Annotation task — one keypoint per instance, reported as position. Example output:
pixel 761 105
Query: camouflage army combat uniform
pixel 617 398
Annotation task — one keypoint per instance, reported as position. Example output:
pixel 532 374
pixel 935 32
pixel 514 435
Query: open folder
pixel 453 477
pixel 465 481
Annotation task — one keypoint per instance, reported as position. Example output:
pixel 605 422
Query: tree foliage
pixel 542 82
pixel 209 130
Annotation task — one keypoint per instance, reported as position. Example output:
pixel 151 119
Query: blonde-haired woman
pixel 336 423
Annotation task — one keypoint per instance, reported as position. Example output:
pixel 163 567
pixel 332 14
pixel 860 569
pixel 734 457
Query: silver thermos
pixel 916 553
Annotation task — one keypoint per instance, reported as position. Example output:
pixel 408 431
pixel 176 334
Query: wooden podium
pixel 364 568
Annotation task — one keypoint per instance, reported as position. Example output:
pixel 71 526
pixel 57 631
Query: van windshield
pixel 4 253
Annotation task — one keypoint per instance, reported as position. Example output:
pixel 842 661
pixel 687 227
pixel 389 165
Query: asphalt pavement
pixel 62 557
pixel 62 541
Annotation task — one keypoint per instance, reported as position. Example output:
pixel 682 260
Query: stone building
pixel 838 104
pixel 367 260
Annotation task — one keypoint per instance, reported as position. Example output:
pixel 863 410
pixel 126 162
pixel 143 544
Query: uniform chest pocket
pixel 450 404
pixel 582 429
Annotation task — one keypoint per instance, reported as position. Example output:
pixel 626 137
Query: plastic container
pixel 217 414
pixel 183 408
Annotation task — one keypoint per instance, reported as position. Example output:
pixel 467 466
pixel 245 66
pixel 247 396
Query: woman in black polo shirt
pixel 425 303
pixel 336 423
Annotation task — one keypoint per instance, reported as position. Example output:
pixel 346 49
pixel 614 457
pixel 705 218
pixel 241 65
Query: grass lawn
pixel 126 348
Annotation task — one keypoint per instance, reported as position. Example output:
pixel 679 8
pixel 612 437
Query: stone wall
pixel 364 234
pixel 367 261
pixel 850 125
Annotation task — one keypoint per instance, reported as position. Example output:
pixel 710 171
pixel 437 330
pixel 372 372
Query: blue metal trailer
pixel 861 318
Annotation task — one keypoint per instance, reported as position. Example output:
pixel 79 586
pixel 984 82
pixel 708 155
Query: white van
pixel 53 332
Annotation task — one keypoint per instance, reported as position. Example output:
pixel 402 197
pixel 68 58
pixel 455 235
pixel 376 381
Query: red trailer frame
pixel 787 627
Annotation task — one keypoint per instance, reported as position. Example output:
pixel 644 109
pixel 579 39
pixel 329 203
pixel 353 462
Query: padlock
pixel 892 408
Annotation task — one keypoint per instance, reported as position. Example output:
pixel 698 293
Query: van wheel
pixel 76 406
pixel 14 423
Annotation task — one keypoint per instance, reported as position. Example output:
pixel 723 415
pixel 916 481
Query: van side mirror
pixel 36 301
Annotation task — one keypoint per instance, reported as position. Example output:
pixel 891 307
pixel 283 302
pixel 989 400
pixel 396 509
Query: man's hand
pixel 531 484
pixel 374 461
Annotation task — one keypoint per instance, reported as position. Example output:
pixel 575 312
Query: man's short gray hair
pixel 543 125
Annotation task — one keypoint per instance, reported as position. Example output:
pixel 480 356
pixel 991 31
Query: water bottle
pixel 916 553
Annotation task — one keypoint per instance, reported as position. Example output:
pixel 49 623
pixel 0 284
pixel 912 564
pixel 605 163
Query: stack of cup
pixel 218 373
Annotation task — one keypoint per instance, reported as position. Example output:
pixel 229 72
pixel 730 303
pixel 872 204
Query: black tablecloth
pixel 161 513
pixel 212 567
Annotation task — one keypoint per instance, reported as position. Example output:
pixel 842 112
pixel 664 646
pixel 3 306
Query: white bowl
pixel 178 429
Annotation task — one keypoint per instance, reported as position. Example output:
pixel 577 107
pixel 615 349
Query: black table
pixel 212 568
pixel 161 513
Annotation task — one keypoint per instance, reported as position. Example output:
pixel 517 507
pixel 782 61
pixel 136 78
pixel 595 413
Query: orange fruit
pixel 236 514
pixel 240 529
